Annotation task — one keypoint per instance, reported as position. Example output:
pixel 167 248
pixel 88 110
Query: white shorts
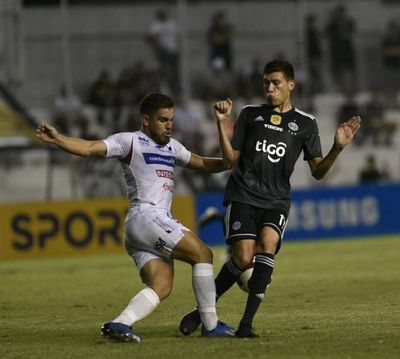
pixel 151 233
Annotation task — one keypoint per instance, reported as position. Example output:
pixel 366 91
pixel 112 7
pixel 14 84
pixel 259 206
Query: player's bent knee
pixel 163 290
pixel 201 254
pixel 244 261
pixel 206 255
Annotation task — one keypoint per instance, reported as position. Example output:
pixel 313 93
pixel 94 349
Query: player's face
pixel 159 125
pixel 277 89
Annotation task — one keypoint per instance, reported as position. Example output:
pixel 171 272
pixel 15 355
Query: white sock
pixel 140 306
pixel 204 290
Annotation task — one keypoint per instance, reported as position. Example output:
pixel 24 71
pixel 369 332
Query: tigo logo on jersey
pixel 153 158
pixel 276 119
pixel 275 152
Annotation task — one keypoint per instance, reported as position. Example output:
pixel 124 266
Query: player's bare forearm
pixel 81 147
pixel 222 110
pixel 77 146
pixel 228 153
pixel 321 166
pixel 206 164
pixel 343 136
pixel 214 165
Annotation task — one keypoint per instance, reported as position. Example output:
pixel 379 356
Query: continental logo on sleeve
pixel 275 120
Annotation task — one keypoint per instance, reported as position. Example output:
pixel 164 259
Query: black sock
pixel 263 267
pixel 227 277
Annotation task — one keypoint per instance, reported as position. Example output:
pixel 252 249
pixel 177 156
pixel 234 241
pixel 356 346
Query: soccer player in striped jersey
pixel 267 141
pixel 153 238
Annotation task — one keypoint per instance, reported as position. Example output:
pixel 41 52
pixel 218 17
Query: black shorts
pixel 243 221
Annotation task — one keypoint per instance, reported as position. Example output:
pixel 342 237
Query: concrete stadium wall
pixel 114 37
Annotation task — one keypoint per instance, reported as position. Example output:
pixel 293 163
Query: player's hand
pixel 46 133
pixel 222 109
pixel 346 131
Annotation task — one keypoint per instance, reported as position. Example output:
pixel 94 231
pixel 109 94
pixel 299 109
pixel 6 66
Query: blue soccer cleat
pixel 120 332
pixel 221 330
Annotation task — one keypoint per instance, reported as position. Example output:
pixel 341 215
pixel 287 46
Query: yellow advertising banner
pixel 65 228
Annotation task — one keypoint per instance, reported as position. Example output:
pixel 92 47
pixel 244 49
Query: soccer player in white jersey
pixel 153 238
pixel 266 144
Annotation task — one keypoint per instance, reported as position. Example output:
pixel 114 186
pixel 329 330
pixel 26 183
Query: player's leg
pixel 192 250
pixel 261 277
pixel 241 233
pixel 158 277
pixel 273 224
pixel 240 226
pixel 157 274
pixel 141 239
pixel 240 260
pixel 243 253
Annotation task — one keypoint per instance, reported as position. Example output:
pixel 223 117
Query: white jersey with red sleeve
pixel 148 167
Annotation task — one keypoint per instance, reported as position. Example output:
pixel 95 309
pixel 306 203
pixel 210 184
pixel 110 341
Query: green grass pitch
pixel 328 299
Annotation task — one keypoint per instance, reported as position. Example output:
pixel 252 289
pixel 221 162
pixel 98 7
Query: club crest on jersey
pixel 275 119
pixel 293 126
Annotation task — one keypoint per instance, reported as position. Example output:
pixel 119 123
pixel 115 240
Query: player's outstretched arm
pixel 206 164
pixel 222 110
pixel 343 136
pixel 77 146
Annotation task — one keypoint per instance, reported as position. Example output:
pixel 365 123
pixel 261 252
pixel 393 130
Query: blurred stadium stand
pixel 42 47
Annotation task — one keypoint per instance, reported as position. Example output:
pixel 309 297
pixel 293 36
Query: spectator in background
pixel 391 57
pixel 67 110
pixel 250 80
pixel 340 31
pixel 376 126
pixel 314 53
pixel 219 83
pixel 220 41
pixel 370 172
pixel 347 109
pixel 163 38
pixel 137 80
pixel 102 95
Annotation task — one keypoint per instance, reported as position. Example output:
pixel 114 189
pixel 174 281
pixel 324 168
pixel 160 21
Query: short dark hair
pixel 280 66
pixel 153 101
